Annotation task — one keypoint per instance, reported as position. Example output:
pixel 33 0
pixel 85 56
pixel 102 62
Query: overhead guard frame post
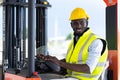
pixel 31 37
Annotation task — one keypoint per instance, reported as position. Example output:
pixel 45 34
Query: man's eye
pixel 81 22
pixel 75 23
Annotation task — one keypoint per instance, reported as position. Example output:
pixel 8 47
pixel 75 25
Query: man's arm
pixel 94 53
pixel 74 67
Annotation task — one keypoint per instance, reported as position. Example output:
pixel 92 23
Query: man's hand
pixel 48 58
pixel 40 56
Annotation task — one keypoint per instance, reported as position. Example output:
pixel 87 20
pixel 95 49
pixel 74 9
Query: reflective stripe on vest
pixel 81 50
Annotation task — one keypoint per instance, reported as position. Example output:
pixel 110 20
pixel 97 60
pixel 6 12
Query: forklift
pixel 15 64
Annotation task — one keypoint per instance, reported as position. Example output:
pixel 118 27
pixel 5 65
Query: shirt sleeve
pixel 94 53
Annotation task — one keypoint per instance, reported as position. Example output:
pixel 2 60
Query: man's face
pixel 79 25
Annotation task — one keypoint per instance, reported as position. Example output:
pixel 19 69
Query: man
pixel 87 53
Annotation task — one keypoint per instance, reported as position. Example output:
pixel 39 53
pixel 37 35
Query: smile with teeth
pixel 79 29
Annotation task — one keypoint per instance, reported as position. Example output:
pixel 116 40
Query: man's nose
pixel 79 25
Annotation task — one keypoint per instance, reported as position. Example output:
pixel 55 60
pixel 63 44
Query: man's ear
pixel 71 24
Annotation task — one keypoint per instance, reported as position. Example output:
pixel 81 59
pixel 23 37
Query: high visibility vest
pixel 82 48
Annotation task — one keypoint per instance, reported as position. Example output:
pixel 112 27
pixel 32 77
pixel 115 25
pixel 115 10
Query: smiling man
pixel 87 53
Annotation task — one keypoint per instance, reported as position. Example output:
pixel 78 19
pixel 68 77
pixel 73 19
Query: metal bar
pixel 12 27
pixel 18 36
pixel 23 23
pixel 9 40
pixel 25 4
pixel 31 37
pixel 41 28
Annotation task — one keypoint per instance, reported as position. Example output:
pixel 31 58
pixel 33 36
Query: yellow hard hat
pixel 78 13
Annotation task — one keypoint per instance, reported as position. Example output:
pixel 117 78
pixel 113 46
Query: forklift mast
pixel 15 34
